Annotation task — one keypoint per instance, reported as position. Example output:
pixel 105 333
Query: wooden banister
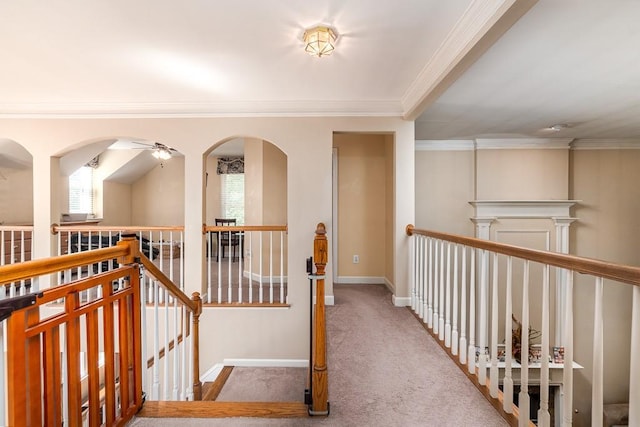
pixel 320 385
pixel 608 270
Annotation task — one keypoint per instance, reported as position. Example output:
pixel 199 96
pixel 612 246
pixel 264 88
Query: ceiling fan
pixel 159 151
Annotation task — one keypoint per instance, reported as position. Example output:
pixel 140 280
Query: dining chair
pixel 227 239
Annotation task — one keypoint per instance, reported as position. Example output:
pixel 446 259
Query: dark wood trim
pixel 216 387
pixel 208 409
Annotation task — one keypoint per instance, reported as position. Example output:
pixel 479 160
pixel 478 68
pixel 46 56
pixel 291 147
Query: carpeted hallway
pixel 384 370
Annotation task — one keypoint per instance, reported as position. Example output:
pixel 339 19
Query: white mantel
pixel 523 208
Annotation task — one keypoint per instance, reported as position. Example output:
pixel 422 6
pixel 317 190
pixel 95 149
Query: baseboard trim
pixel 401 301
pixel 212 373
pixel 360 280
pixel 267 363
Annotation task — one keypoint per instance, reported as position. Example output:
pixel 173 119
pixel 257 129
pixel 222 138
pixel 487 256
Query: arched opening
pixel 246 186
pixel 16 183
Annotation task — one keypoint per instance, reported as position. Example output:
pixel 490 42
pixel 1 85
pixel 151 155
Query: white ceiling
pixel 564 61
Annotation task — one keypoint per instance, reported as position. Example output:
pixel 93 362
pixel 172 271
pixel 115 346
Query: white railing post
pixel 493 372
pixel 544 417
pixel 567 373
pixel 425 279
pixel 419 258
pixel 447 321
pixel 454 322
pixel 482 359
pixel 507 404
pixel 634 369
pixel 436 288
pixel 430 256
pixel 523 397
pixel 463 308
pixel 597 392
pixel 441 292
pixel 471 364
pixel 413 257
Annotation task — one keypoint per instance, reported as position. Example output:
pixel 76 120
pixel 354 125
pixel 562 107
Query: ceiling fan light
pixel 161 154
pixel 319 41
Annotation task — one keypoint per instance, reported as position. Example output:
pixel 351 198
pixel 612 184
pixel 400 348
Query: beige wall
pixel 212 191
pixel 362 183
pixel 606 182
pixel 307 143
pixel 157 197
pixel 116 209
pixel 522 174
pixel 16 196
pixel 445 182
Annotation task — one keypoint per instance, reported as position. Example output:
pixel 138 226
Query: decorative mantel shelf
pixel 523 208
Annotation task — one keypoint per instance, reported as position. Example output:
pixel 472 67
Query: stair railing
pixel 73 360
pixel 463 290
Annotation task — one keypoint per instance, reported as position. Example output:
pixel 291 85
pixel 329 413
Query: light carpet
pixel 384 370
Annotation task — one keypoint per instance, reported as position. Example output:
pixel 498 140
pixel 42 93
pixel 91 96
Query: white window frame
pixel 232 202
pixel 81 191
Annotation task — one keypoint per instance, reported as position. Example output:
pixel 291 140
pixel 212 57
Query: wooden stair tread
pixel 212 409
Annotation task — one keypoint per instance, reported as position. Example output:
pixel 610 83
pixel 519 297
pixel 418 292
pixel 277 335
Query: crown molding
pixel 484 22
pixel 445 145
pixel 606 144
pixel 305 108
pixel 523 143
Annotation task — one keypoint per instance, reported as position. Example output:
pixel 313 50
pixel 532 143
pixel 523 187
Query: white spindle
pixel 544 417
pixel 634 370
pixel 507 403
pixel 229 278
pixel 282 299
pixel 260 292
pixel 463 308
pixel 482 359
pixel 471 352
pixel 416 279
pixel 176 352
pixel 184 353
pixel 447 321
pixel 430 256
pixel 251 268
pixel 436 288
pixel 493 372
pixel 425 280
pixel 441 292
pixel 240 258
pixel 190 344
pixel 454 323
pixel 165 382
pixel 156 344
pixel 597 392
pixel 209 262
pixel 523 397
pixel 271 267
pixel 414 265
pixel 567 377
pixel 219 258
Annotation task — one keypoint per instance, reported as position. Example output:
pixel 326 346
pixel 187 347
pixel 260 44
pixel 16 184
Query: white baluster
pixel 184 352
pixel 523 397
pixel 447 321
pixel 271 267
pixel 634 371
pixel 413 254
pixel 282 300
pixel 219 259
pixel 436 288
pixel 425 281
pixel 567 373
pixel 229 278
pixel 597 393
pixel 156 344
pixel 260 293
pixel 493 372
pixel 471 352
pixel 544 417
pixel 430 256
pixel 418 283
pixel 176 352
pixel 209 262
pixel 442 294
pixel 507 403
pixel 165 382
pixel 240 258
pixel 454 322
pixel 250 268
pixel 482 359
pixel 463 308
pixel 190 344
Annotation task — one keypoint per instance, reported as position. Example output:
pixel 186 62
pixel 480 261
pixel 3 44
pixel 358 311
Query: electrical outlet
pixel 356 259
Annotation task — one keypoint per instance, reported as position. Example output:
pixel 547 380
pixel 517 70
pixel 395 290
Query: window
pixel 232 197
pixel 81 190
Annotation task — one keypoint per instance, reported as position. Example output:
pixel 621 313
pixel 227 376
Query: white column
pixel 193 220
pixel 562 246
pixel 483 231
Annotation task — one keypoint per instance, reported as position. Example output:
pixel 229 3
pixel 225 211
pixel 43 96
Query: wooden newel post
pixel 320 393
pixel 130 241
pixel 195 336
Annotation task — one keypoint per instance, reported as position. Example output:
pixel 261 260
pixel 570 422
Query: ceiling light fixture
pixel 558 127
pixel 161 153
pixel 319 41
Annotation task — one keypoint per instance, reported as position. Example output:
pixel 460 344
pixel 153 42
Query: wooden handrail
pixel 38 267
pixel 56 228
pixel 223 228
pixel 166 283
pixel 320 386
pixel 608 270
pixel 16 227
